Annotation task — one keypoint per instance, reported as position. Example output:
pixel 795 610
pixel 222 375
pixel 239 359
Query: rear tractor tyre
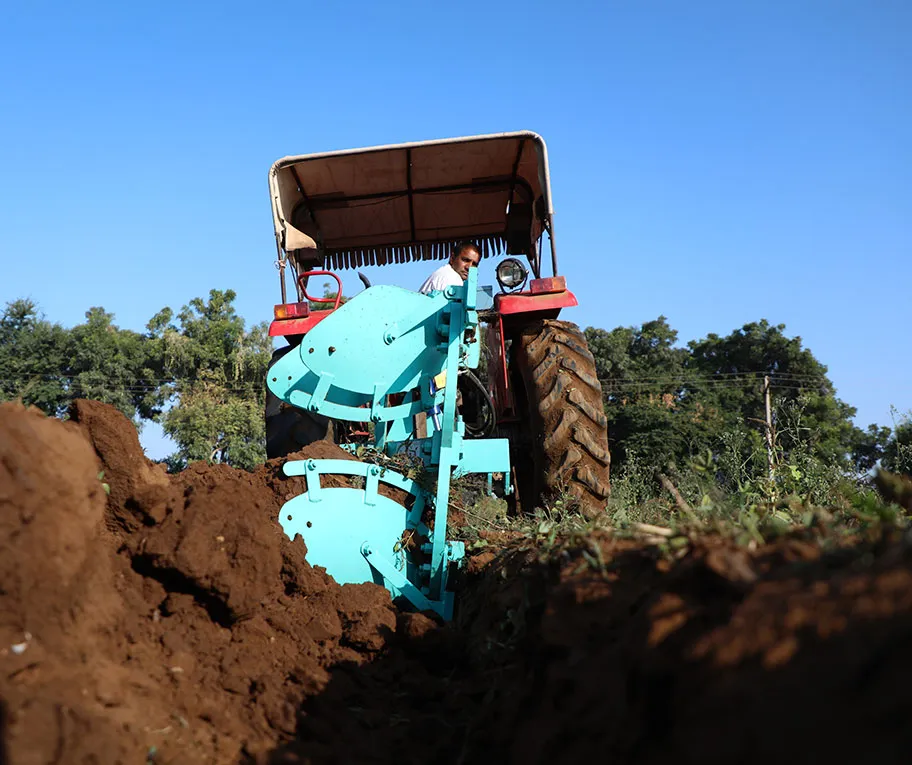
pixel 569 430
pixel 288 428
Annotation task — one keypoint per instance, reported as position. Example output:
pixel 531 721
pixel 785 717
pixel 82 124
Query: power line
pixel 673 382
pixel 717 377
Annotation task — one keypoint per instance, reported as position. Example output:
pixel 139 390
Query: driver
pixel 464 256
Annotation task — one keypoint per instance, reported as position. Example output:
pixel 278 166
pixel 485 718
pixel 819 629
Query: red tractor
pixel 413 202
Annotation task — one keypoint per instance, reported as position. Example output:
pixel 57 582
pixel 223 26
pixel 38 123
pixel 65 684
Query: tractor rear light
pixel 550 284
pixel 291 311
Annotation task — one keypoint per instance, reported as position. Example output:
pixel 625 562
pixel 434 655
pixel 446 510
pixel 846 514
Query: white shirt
pixel 442 278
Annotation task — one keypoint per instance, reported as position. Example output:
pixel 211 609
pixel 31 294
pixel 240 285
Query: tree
pixel 897 450
pixel 48 366
pixel 32 358
pixel 643 379
pixel 808 415
pixel 216 372
pixel 113 365
pixel 668 404
pixel 868 447
pixel 203 376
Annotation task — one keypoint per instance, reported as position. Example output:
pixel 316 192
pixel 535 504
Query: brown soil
pixel 171 621
pixel 172 616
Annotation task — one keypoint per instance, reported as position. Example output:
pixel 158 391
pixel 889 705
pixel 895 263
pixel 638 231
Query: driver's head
pixel 464 256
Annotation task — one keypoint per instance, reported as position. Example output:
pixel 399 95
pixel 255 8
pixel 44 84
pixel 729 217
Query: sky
pixel 712 162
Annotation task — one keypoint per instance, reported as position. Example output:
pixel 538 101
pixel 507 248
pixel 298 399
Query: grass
pixel 688 505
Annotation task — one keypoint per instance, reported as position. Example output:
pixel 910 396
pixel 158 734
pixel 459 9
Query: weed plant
pixel 729 492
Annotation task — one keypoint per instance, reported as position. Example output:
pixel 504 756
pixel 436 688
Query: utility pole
pixel 769 426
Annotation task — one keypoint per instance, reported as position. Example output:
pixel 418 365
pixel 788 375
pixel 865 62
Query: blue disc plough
pixel 388 355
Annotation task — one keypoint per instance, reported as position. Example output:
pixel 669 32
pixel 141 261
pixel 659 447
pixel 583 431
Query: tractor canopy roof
pixel 412 201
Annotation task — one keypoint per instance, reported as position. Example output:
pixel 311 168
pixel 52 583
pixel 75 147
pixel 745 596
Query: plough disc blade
pixel 336 528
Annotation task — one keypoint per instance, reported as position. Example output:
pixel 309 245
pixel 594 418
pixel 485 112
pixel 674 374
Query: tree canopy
pixel 214 372
pixel 200 374
pixel 668 404
pixel 48 366
pixel 897 449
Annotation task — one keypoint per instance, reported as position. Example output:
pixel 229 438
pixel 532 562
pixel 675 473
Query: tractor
pixel 468 380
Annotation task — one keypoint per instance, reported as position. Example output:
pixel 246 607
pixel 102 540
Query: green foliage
pixel 33 358
pixel 897 452
pixel 757 513
pixel 329 294
pixel 201 375
pixel 483 514
pixel 216 425
pixel 810 417
pixel 48 366
pixel 752 516
pixel 642 376
pixel 112 365
pixel 867 447
pixel 216 371
pixel 667 404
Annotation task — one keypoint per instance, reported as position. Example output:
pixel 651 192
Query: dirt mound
pixel 125 468
pixel 51 506
pixel 624 655
pixel 56 594
pixel 172 617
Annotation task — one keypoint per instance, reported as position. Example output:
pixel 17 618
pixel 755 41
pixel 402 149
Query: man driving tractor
pixel 455 271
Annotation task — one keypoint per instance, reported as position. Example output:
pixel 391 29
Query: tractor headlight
pixel 511 274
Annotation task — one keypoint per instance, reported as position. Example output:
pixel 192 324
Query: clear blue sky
pixel 716 162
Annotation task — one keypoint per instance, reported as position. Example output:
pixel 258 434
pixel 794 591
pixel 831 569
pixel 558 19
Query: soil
pixel 168 619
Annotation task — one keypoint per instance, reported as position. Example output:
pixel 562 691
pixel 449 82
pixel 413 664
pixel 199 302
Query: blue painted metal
pixel 395 579
pixel 387 341
pixel 337 522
